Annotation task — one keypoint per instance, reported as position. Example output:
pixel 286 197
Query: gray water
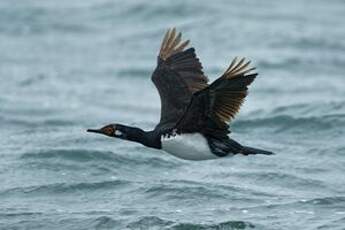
pixel 66 66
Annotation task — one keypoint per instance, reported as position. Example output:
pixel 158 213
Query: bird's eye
pixel 109 131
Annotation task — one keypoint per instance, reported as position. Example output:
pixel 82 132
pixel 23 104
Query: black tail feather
pixel 249 150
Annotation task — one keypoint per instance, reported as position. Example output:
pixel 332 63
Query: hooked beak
pixel 94 131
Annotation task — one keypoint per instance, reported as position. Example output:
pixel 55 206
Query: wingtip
pixel 238 68
pixel 172 43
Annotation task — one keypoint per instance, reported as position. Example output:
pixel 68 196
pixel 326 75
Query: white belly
pixel 188 146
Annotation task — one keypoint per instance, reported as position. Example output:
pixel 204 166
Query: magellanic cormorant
pixel 194 114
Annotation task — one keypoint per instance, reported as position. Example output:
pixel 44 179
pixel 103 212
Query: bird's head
pixel 111 130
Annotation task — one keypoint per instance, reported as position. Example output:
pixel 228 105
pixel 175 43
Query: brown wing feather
pixel 178 75
pixel 213 107
pixel 172 44
pixel 232 89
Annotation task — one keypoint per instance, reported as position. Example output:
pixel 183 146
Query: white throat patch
pixel 118 132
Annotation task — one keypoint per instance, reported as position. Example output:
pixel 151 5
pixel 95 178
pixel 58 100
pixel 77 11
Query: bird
pixel 195 114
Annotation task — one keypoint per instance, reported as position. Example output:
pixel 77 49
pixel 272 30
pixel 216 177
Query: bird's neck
pixel 149 139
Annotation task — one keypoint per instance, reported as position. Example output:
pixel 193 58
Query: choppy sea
pixel 66 66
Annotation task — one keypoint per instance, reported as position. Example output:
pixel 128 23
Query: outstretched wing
pixel 213 107
pixel 177 76
pixel 230 90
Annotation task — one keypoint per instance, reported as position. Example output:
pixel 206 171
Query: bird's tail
pixel 249 150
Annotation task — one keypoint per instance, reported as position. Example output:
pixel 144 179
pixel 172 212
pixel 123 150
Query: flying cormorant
pixel 194 114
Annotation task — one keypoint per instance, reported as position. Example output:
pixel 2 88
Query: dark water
pixel 70 65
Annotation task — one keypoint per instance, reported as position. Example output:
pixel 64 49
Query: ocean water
pixel 66 66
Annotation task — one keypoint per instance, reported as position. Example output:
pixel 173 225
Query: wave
pixel 148 11
pixel 71 154
pixel 111 159
pixel 308 43
pixel 178 192
pixel 335 224
pixel 280 64
pixel 31 123
pixel 298 118
pixel 148 222
pixel 135 72
pixel 283 179
pixel 58 188
pixel 144 222
pixel 335 203
pixel 286 123
pixel 20 214
pixel 38 20
pixel 47 19
pixel 309 109
pixel 105 222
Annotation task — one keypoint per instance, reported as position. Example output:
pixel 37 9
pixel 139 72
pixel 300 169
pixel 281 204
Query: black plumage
pixel 177 78
pixel 189 104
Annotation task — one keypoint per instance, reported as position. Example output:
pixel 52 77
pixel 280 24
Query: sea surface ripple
pixel 66 66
